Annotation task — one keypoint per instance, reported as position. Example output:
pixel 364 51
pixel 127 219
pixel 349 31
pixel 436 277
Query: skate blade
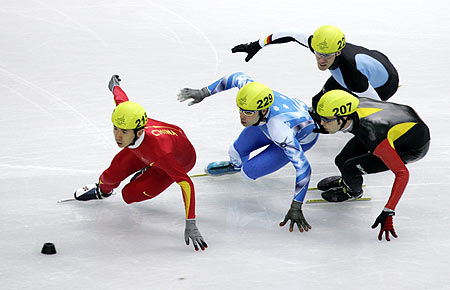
pixel 350 200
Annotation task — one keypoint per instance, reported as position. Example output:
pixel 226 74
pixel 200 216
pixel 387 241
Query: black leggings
pixel 355 159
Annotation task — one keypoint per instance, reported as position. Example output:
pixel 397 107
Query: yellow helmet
pixel 328 39
pixel 254 97
pixel 337 103
pixel 129 115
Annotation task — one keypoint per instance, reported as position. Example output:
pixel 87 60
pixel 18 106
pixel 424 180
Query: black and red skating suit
pixel 387 136
pixel 168 154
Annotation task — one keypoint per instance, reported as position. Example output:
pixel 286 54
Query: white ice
pixel 56 58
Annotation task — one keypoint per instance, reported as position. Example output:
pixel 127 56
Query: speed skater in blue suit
pixel 280 123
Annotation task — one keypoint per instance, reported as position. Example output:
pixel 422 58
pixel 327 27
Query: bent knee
pixel 248 174
pixel 131 194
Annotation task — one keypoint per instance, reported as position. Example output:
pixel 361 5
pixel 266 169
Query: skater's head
pixel 129 120
pixel 336 109
pixel 327 43
pixel 253 101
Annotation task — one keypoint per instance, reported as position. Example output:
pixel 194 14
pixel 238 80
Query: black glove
pixel 250 48
pixel 115 81
pixel 90 191
pixel 387 224
pixel 295 214
pixel 316 117
pixel 191 232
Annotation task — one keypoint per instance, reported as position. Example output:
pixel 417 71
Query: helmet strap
pixel 343 122
pixel 135 136
pixel 262 118
pixel 335 63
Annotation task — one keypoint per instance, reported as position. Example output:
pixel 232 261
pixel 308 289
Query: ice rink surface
pixel 56 59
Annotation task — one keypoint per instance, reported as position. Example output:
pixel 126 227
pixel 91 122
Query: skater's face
pixel 248 119
pixel 331 124
pixel 125 137
pixel 324 61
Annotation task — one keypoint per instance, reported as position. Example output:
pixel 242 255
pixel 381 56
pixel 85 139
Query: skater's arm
pixel 284 137
pixel 225 83
pixel 230 81
pixel 252 48
pixel 169 164
pixel 393 161
pixel 119 95
pixel 120 168
pixel 284 37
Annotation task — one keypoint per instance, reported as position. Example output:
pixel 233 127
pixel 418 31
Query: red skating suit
pixel 168 154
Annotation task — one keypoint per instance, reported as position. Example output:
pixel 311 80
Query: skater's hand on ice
pixel 191 232
pixel 196 95
pixel 295 214
pixel 387 224
pixel 250 48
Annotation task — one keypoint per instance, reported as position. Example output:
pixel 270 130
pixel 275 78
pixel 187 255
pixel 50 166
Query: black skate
pixel 329 182
pixel 340 194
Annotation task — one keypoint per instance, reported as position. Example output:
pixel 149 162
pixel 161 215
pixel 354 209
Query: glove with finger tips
pixel 196 95
pixel 250 48
pixel 295 215
pixel 386 222
pixel 115 81
pixel 191 232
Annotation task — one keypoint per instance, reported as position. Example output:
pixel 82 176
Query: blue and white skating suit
pixel 365 72
pixel 288 132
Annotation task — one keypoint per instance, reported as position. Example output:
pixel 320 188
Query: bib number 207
pixel 342 110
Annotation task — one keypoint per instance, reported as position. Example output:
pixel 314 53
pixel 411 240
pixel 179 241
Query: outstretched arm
pixel 393 161
pixel 238 80
pixel 177 173
pixel 235 80
pixel 390 157
pixel 170 165
pixel 284 137
pixel 279 37
pixel 285 36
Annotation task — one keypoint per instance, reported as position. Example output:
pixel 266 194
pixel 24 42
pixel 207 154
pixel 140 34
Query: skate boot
pixel 329 182
pixel 89 192
pixel 341 193
pixel 217 168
